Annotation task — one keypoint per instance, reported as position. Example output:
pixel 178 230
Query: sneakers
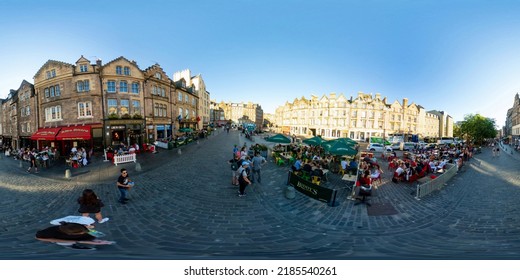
pixel 122 202
pixel 104 220
pixel 241 195
pixel 126 199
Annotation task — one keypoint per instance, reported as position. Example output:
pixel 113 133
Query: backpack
pixel 234 165
pixel 241 177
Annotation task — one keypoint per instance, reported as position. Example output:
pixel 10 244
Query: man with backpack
pixel 243 178
pixel 236 163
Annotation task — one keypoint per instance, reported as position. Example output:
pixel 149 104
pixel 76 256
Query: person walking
pixel 243 179
pixel 89 202
pixel 257 163
pixel 124 184
pixel 32 162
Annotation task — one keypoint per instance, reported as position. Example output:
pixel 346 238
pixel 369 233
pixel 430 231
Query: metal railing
pixel 426 188
pixel 124 159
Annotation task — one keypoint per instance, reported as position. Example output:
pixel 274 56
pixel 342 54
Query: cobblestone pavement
pixel 184 207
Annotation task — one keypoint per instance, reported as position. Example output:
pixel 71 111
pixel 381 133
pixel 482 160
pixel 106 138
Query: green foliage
pixel 126 116
pixel 137 117
pixel 477 128
pixel 113 116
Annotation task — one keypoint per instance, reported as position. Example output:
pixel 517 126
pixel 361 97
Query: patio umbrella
pixel 316 140
pixel 340 147
pixel 279 138
pixel 185 129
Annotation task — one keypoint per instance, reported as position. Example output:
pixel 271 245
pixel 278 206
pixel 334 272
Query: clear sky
pixel 459 56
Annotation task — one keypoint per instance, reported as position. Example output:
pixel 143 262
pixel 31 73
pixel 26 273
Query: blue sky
pixel 458 56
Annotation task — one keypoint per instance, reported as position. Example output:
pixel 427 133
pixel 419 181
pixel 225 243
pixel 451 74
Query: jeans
pixel 253 176
pixel 124 193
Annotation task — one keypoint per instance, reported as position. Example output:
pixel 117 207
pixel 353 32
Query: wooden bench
pixel 124 159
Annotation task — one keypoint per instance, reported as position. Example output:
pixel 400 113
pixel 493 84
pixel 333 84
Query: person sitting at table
pixel 433 166
pixel 84 161
pixel 307 166
pixel 297 166
pixel 317 171
pixel 45 159
pixel 398 174
pixel 442 164
pixel 353 166
pixel 344 164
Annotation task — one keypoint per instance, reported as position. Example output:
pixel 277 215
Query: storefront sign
pixel 117 127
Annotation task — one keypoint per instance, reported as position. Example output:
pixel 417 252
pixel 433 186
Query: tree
pixel 477 128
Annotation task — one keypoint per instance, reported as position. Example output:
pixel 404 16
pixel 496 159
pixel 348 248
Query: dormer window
pixel 158 76
pixel 83 68
pixel 50 74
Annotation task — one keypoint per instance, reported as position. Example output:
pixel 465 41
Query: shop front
pixel 75 136
pixel 46 137
pixel 127 132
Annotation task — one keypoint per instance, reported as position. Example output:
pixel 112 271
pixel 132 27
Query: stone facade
pixel 242 112
pixel 119 102
pixel 358 118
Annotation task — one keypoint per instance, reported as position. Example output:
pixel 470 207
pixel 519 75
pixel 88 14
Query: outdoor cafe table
pixel 286 156
pixel 350 180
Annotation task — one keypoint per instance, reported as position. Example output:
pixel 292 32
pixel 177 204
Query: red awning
pixel 46 134
pixel 74 133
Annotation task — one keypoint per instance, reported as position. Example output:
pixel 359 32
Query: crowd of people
pixel 422 161
pixel 36 158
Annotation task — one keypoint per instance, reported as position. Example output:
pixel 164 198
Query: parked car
pixel 407 146
pixel 430 146
pixel 377 147
pixel 395 146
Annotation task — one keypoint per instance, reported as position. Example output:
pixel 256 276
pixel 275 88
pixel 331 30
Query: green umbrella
pixel 279 138
pixel 316 140
pixel 340 147
pixel 185 129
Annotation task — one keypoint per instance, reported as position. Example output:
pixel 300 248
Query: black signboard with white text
pixel 315 191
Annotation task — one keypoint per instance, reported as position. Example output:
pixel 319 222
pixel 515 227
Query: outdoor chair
pixel 316 180
pixel 306 175
pixel 364 192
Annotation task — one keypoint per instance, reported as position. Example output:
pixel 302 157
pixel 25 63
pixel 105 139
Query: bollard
pixel 138 167
pixel 20 163
pixel 198 142
pixel 67 173
pixel 290 192
pixel 179 151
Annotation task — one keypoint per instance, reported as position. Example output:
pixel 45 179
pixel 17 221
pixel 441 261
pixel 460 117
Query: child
pixel 90 203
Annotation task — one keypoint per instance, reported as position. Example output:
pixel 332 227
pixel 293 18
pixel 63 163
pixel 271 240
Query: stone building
pixel 512 125
pixel 159 103
pixel 241 113
pixel 93 105
pixel 359 118
pixel 196 86
pixel 69 105
pixel 27 121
